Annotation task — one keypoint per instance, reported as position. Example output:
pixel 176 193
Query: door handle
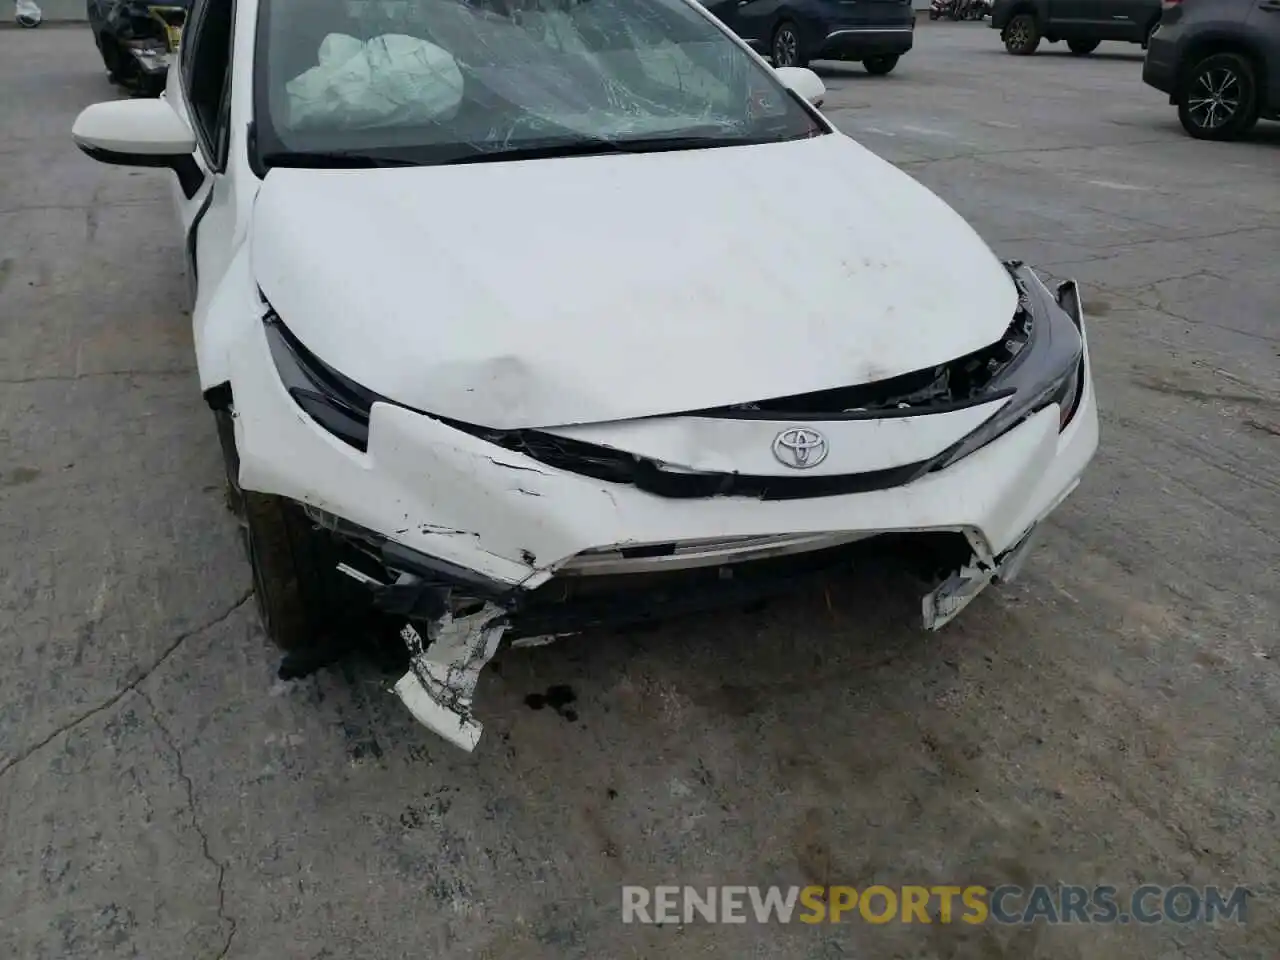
pixel 1270 6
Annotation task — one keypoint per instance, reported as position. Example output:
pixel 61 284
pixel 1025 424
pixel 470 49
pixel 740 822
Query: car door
pixel 755 21
pixel 1112 19
pixel 199 89
pixel 1264 23
pixel 1070 19
pixel 726 11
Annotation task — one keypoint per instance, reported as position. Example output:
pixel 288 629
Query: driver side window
pixel 206 75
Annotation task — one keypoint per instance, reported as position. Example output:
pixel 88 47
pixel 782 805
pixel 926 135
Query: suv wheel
pixel 879 66
pixel 787 49
pixel 1082 48
pixel 1021 35
pixel 1218 98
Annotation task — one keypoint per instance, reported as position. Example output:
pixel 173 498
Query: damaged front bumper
pixel 472 544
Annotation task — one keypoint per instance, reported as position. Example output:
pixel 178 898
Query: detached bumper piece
pixel 444 669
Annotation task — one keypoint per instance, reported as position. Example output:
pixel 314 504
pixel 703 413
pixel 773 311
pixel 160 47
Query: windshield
pixel 443 81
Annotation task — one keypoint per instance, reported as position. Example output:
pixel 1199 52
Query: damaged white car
pixel 520 317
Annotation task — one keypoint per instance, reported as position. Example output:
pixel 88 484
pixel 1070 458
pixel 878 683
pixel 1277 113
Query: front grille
pixel 690 554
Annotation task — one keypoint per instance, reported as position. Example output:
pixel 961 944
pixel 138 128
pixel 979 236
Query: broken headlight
pixel 338 404
pixel 1049 369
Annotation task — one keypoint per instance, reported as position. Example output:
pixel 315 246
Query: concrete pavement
pixel 1110 718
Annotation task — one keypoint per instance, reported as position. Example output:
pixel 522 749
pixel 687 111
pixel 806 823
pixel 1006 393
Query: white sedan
pixel 521 318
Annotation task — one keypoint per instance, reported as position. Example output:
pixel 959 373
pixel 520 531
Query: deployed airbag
pixel 390 80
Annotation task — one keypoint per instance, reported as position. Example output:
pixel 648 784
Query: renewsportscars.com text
pixel 972 904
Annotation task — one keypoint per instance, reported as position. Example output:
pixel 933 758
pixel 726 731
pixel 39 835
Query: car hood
pixel 550 292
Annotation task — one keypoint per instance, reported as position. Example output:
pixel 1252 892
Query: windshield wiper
pixel 656 144
pixel 333 160
pixel 600 145
pixel 572 148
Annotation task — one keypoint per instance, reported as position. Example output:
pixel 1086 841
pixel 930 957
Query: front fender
pixel 226 316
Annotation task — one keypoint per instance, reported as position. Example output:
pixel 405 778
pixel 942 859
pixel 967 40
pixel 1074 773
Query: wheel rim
pixel 1018 33
pixel 1214 98
pixel 786 46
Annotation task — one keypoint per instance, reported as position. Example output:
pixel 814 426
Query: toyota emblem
pixel 800 448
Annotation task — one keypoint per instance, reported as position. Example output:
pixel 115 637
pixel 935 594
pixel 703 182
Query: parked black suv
pixel 793 32
pixel 1219 61
pixel 1082 23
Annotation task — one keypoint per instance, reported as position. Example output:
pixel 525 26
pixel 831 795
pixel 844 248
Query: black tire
pixel 1082 48
pixel 1218 97
pixel 787 48
pixel 879 66
pixel 230 461
pixel 279 540
pixel 112 59
pixel 1021 35
pixel 306 606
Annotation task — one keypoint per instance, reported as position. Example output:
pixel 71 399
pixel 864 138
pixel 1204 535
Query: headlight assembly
pixel 1048 370
pixel 335 402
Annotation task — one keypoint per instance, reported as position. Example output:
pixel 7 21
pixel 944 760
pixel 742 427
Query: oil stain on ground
pixel 558 697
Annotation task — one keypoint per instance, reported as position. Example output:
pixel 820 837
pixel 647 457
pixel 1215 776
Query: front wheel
pixel 1021 35
pixel 788 51
pixel 305 605
pixel 113 58
pixel 879 66
pixel 1218 100
pixel 1082 48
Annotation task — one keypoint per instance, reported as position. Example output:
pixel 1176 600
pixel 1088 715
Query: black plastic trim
pixel 190 176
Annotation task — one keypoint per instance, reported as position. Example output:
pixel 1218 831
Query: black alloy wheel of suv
pixel 1021 35
pixel 1219 97
pixel 787 49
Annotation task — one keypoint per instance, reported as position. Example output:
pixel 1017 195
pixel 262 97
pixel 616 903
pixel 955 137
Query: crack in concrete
pixel 196 824
pixel 127 688
pixel 93 203
pixel 95 375
pixel 1115 250
pixel 1261 427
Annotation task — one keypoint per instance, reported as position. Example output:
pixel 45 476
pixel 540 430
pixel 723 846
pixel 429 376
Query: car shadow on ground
pixel 1265 134
pixel 832 70
pixel 1064 54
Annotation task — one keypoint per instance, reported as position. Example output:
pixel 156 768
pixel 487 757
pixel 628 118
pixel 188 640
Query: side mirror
pixel 804 83
pixel 139 133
